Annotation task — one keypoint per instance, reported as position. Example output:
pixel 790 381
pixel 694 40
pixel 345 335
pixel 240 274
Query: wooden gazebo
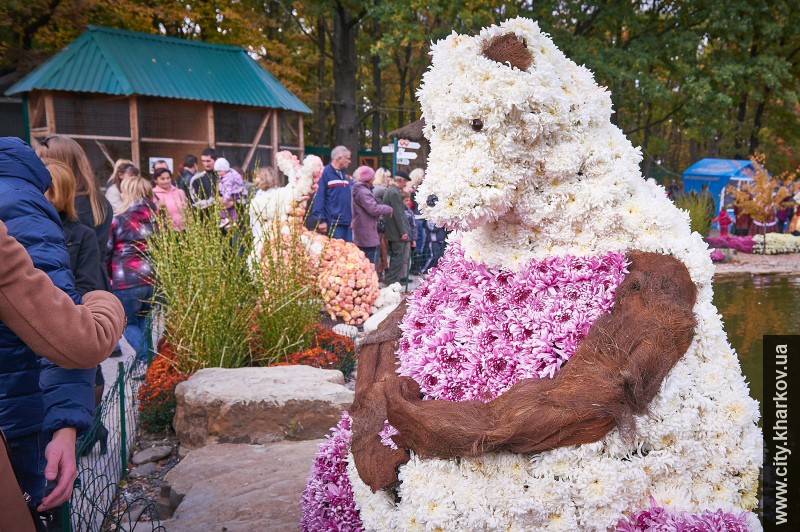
pixel 124 94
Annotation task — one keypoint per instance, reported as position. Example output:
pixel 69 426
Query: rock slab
pixel 153 454
pixel 238 488
pixel 259 405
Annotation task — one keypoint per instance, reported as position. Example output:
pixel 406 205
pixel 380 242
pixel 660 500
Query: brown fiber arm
pixel 615 373
pixel 376 463
pixel 47 320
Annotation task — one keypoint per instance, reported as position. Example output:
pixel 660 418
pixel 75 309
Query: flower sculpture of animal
pixel 347 279
pixel 564 367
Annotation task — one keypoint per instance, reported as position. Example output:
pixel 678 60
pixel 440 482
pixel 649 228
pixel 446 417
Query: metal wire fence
pixel 97 503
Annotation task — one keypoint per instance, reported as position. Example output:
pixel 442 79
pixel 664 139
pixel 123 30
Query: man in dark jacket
pixel 203 186
pixel 332 207
pixel 42 404
pixel 186 175
pixel 396 228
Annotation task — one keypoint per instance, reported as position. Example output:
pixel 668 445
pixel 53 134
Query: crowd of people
pixel 378 212
pixel 90 239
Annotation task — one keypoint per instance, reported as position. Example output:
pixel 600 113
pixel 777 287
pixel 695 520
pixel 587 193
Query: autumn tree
pixel 762 197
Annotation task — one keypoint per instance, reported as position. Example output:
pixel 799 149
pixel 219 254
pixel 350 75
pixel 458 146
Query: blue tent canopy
pixel 717 174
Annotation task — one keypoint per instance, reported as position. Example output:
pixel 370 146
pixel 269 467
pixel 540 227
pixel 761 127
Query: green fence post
pixel 148 339
pixel 122 428
pixel 66 516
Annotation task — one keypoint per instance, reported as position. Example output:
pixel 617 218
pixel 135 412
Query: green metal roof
pixel 112 61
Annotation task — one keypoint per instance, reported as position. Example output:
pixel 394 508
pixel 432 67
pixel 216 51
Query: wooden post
pixel 256 139
pixel 212 139
pixel 50 113
pixel 276 116
pixel 133 113
pixel 301 137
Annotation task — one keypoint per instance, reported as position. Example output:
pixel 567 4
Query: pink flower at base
pixel 661 519
pixel 328 501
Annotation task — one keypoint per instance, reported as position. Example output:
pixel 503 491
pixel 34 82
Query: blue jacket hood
pixel 18 160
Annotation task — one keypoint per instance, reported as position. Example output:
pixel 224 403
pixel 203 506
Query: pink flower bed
pixel 739 243
pixel 717 256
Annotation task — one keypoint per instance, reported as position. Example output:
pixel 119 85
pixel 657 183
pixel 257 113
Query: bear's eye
pixel 477 124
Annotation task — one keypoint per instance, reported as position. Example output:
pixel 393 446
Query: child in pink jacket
pixel 169 197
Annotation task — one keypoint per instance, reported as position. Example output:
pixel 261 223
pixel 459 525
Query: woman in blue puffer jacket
pixel 43 407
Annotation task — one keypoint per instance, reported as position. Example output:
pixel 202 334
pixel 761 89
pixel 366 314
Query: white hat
pixel 222 165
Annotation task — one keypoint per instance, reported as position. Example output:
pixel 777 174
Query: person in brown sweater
pixel 72 336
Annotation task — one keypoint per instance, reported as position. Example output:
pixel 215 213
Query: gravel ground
pixel 747 264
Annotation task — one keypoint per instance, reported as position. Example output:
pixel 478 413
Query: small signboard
pixel 402 161
pixel 389 148
pixel 408 145
pixel 401 154
pixel 153 160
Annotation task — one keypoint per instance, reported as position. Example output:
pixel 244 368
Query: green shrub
pixel 700 213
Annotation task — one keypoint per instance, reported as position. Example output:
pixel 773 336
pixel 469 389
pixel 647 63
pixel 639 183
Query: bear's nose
pixel 431 201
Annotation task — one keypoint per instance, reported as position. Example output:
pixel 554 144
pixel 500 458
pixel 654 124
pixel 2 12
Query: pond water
pixel 752 307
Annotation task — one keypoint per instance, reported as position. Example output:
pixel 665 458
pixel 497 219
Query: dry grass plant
pixel 209 297
pixel 292 303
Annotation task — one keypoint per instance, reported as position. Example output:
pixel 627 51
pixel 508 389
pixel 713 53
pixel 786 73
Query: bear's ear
pixel 508 49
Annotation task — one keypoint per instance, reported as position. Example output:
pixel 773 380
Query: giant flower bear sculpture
pixel 346 279
pixel 564 366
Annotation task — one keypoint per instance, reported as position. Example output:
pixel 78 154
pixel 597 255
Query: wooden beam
pixel 104 150
pixel 50 112
pixel 96 137
pixel 35 111
pixel 276 116
pixel 174 141
pixel 133 113
pixel 212 139
pixel 257 138
pixel 301 136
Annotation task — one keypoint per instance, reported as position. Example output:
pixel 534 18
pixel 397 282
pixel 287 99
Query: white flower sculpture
pixel 528 167
pixel 347 280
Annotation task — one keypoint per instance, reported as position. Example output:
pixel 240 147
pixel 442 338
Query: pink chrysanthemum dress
pixel 472 332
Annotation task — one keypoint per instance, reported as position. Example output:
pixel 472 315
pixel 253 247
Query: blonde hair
pixel 381 176
pixel 266 178
pixel 132 190
pixel 416 176
pixel 62 189
pixel 119 167
pixel 69 152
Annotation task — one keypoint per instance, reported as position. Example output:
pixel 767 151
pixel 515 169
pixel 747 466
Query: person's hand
pixel 60 455
pixel 322 228
pixel 413 243
pixel 228 203
pixel 404 237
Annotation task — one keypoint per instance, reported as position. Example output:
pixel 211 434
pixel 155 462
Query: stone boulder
pixel 259 405
pixel 238 488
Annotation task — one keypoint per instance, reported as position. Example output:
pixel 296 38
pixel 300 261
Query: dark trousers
pixel 396 260
pixel 27 456
pixel 373 254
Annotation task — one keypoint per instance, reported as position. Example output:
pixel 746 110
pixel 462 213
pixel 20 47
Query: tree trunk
pixel 757 123
pixel 321 105
pixel 377 98
pixel 740 117
pixel 345 29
